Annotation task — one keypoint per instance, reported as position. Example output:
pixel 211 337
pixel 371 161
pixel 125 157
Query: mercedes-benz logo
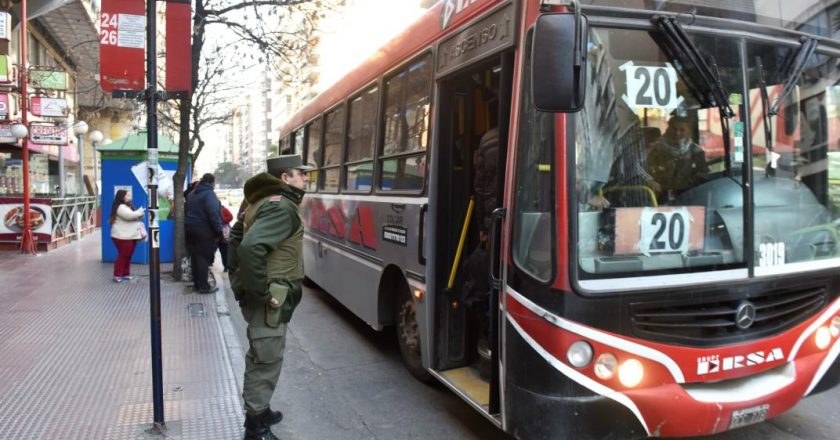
pixel 745 315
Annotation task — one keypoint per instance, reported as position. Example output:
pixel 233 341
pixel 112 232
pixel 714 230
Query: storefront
pixel 56 218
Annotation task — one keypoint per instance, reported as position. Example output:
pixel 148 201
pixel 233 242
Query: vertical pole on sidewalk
pixel 154 231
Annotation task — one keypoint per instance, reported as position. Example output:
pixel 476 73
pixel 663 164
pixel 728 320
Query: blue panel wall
pixel 117 172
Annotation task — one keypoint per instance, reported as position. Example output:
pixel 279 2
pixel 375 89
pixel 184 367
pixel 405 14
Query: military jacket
pixel 266 245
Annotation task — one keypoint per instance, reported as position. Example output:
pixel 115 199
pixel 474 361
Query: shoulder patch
pixel 275 198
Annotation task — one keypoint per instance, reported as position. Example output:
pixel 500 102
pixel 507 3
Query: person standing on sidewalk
pixel 126 230
pixel 265 271
pixel 203 224
pixel 227 217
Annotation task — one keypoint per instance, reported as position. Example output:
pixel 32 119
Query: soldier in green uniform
pixel 265 269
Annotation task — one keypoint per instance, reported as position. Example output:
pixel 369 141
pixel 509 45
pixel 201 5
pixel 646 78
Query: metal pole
pixel 61 189
pixel 81 191
pixel 95 173
pixel 27 241
pixel 154 231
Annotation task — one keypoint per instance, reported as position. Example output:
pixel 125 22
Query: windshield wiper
pixel 688 60
pixel 768 111
pixel 800 59
pixel 770 169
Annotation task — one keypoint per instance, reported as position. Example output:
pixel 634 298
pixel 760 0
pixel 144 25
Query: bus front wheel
pixel 408 335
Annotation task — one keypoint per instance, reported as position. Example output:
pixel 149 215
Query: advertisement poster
pixel 166 186
pixel 40 221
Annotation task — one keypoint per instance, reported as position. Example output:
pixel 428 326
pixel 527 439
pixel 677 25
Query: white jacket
pixel 127 224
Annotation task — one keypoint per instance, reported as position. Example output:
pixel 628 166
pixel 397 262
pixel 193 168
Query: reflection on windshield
pixel 805 141
pixel 655 183
pixel 658 190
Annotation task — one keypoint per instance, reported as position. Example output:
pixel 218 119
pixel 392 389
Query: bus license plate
pixel 749 416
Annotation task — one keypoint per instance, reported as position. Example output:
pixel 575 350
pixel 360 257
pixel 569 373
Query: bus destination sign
pixel 487 36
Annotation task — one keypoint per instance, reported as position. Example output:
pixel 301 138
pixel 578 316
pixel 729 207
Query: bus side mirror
pixel 558 62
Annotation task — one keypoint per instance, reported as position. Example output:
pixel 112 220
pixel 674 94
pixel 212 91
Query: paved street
pixel 344 381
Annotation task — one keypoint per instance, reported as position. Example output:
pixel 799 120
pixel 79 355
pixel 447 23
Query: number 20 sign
pixel 651 87
pixel 659 230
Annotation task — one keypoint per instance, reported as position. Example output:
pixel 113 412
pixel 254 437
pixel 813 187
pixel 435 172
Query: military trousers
pixel 263 361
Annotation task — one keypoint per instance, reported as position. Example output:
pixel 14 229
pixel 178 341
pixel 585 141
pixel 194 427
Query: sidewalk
pixel 75 352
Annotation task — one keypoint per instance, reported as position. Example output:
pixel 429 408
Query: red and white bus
pixel 590 222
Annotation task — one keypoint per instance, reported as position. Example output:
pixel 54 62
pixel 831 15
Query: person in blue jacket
pixel 203 224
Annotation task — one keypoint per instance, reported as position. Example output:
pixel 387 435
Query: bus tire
pixel 408 336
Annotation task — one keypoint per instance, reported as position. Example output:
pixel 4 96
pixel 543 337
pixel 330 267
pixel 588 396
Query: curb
pixel 234 351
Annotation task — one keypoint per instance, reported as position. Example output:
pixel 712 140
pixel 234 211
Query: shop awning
pixel 137 142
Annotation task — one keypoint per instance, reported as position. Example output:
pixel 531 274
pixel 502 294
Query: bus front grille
pixel 724 320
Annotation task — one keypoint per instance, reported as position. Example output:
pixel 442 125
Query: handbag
pixel 143 233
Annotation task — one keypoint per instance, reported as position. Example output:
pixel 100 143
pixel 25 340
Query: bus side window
pixel 313 151
pixel 361 141
pixel 406 125
pixel 533 207
pixel 297 142
pixel 333 136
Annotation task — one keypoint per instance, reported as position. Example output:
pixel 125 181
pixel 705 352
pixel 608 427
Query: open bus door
pixel 472 135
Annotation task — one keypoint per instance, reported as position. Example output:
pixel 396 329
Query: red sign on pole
pixel 122 43
pixel 178 46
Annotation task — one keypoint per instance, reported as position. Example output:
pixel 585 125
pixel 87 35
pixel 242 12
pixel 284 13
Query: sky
pixel 349 36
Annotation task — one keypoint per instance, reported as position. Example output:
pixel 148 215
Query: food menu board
pixel 12 219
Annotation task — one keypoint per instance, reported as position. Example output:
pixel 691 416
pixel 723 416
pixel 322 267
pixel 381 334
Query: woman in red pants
pixel 126 230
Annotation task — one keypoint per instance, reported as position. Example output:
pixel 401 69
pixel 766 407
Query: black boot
pixel 270 417
pixel 256 430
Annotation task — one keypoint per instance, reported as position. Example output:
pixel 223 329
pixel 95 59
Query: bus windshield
pixel 661 169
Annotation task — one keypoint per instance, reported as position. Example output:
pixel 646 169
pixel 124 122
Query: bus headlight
pixel 631 373
pixel 835 327
pixel 823 338
pixel 605 366
pixel 579 354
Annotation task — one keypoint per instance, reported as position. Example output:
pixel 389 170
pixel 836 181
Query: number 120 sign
pixel 122 36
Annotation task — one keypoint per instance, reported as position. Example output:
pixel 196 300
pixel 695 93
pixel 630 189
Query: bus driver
pixel 675 161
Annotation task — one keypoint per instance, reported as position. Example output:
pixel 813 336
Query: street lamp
pixel 19 131
pixel 96 137
pixel 79 129
pixel 27 241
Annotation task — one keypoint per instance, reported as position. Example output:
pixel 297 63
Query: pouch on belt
pixel 274 315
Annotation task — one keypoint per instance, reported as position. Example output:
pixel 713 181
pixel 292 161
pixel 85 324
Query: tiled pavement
pixel 75 353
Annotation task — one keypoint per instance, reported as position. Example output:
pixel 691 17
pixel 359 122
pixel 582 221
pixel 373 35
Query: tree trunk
pixel 178 180
pixel 184 142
